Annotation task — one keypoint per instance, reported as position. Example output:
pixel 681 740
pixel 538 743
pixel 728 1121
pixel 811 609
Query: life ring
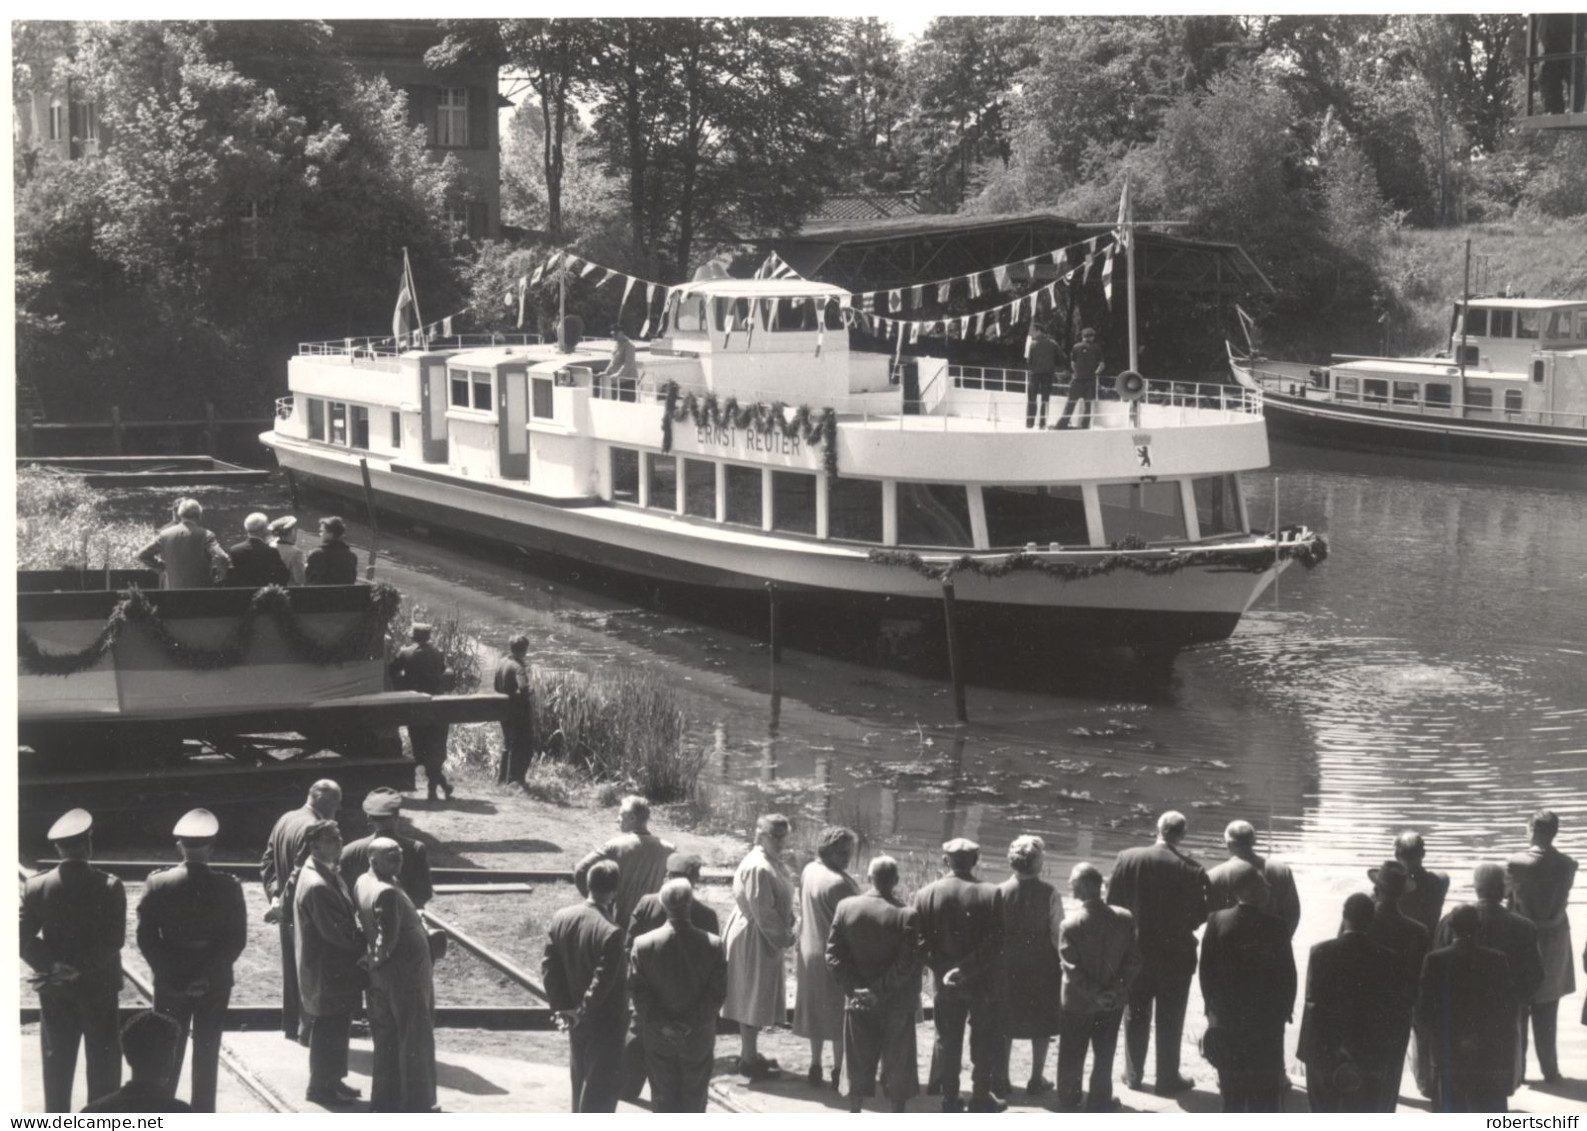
pixel 1129 385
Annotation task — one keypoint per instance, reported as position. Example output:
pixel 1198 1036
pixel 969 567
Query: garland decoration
pixel 709 412
pixel 272 601
pixel 1309 553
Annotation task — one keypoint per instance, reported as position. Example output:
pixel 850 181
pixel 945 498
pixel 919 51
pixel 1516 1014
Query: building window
pixel 1149 511
pixel 934 514
pixel 360 426
pixel 459 389
pixel 1513 400
pixel 699 488
pixel 482 391
pixel 1018 516
pixel 793 502
pixel 544 401
pixel 854 510
pixel 316 419
pixel 338 423
pixel 1437 394
pixel 1481 398
pixel 1217 505
pixel 451 124
pixel 57 120
pixel 396 429
pixel 625 475
pixel 743 494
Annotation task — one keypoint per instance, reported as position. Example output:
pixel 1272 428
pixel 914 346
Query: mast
pixel 1128 224
pixel 1465 314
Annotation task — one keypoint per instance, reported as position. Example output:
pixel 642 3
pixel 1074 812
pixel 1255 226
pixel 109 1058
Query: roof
pixel 1496 303
pixel 847 206
pixel 761 288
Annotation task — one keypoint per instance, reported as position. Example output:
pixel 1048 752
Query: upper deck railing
pixel 381 353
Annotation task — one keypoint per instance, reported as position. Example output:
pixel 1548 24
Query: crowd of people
pixel 640 971
pixel 188 555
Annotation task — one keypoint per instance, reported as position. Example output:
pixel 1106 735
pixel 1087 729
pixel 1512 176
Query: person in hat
pixel 419 666
pixel 1101 960
pixel 330 950
pixel 186 553
pixel 152 1042
pixel 818 999
pixel 284 537
pixel 759 929
pixel 1166 890
pixel 284 854
pixel 1350 1012
pixel 1408 940
pixel 961 928
pixel 678 980
pixel 73 922
pixel 1540 880
pixel 1032 986
pixel 383 810
pixel 334 563
pixel 518 728
pixel 1045 356
pixel 401 991
pixel 1424 902
pixel 1283 899
pixel 192 926
pixel 1086 361
pixel 254 562
pixel 586 980
pixel 1466 1001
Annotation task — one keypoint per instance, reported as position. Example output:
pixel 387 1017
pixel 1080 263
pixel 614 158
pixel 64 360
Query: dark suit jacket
pixel 282 852
pixel 1247 972
pixel 1409 941
pixel 585 965
pixel 1466 1001
pixel 875 944
pixel 1350 1002
pixel 678 976
pixel 76 914
pixel 332 564
pixel 1097 947
pixel 1426 903
pixel 649 914
pixel 1283 899
pixel 418 667
pixel 1166 891
pixel 413 878
pixel 255 563
pixel 136 1096
pixel 1511 935
pixel 961 923
pixel 192 924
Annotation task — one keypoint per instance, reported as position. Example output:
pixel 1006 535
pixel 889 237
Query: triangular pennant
pixel 588 267
pixel 1000 277
pixel 446 326
pixel 627 289
pixel 943 290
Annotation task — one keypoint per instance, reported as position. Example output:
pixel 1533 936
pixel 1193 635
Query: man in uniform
pixel 1101 960
pixel 1467 1005
pixel 1351 1002
pixel 192 925
pixel 518 728
pixel 254 562
pixel 1248 984
pixel 330 951
pixel 1043 361
pixel 382 806
pixel 1424 902
pixel 401 986
pixel 187 554
pixel 1166 891
pixel 73 922
pixel 1086 361
pixel 152 1042
pixel 283 855
pixel 421 667
pixel 640 855
pixel 334 563
pixel 585 978
pixel 874 953
pixel 1282 898
pixel 1540 882
pixel 961 927
pixel 1408 941
pixel 678 981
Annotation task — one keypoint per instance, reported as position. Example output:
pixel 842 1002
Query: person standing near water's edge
pixel 518 728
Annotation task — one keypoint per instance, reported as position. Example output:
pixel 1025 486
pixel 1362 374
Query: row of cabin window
pixel 1438 395
pixel 471 389
pixel 1529 324
pixel 780 315
pixel 929 514
pixel 329 421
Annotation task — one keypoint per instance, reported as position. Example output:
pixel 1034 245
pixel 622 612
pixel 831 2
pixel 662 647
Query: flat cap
pixel 1393 876
pixel 382 801
pixel 682 863
pixel 196 824
pixel 284 523
pixel 72 824
pixel 959 845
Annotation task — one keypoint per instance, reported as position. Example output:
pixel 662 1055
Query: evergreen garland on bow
pixel 708 412
pixel 358 642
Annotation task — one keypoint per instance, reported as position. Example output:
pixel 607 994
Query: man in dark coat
pixel 401 986
pixel 585 978
pixel 1351 1003
pixel 1166 891
pixel 192 926
pixel 1101 960
pixel 874 953
pixel 382 807
pixel 1540 883
pixel 518 728
pixel 1283 899
pixel 1086 361
pixel 73 921
pixel 1045 357
pixel 150 1040
pixel 254 561
pixel 1408 940
pixel 1248 984
pixel 284 853
pixel 421 667
pixel 678 981
pixel 1467 1005
pixel 331 969
pixel 961 927
pixel 1424 902
pixel 334 563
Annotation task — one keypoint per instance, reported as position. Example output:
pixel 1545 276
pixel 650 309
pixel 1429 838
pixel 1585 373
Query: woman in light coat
pixel 818 1005
pixel 760 928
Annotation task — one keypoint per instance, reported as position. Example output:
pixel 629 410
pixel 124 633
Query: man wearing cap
pixel 334 563
pixel 284 854
pixel 1086 360
pixel 192 925
pixel 284 537
pixel 1408 940
pixel 961 927
pixel 186 553
pixel 1467 1003
pixel 331 964
pixel 1540 881
pixel 421 667
pixel 1166 891
pixel 1424 902
pixel 678 981
pixel 1282 900
pixel 1350 1005
pixel 401 985
pixel 73 922
pixel 518 728
pixel 382 807
pixel 254 562
pixel 639 854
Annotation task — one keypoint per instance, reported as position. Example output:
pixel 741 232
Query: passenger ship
pixel 751 445
pixel 1511 385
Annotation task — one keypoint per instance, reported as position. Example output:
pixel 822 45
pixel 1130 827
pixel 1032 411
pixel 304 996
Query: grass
pixel 61 524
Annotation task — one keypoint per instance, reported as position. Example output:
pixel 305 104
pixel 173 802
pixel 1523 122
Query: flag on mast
pixel 406 316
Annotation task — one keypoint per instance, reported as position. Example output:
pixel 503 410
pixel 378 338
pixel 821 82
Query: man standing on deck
pixel 1540 882
pixel 284 853
pixel 518 728
pixel 1044 358
pixel 334 563
pixel 1282 898
pixel 1086 361
pixel 187 554
pixel 421 667
pixel 382 805
pixel 1424 902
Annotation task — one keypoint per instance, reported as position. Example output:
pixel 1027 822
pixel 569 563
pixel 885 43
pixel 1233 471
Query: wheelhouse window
pixel 690 318
pixel 699 488
pixel 338 423
pixel 1501 323
pixel 451 121
pixel 481 383
pixel 459 389
pixel 625 475
pixel 1479 397
pixel 793 502
pixel 543 398
pixel 1514 400
pixel 743 494
pixel 934 514
pixel 1437 394
pixel 1217 505
pixel 316 418
pixel 360 426
pixel 1149 511
pixel 663 482
pixel 1477 323
pixel 1017 516
pixel 1374 392
pixel 854 510
pixel 396 429
pixel 1407 392
pixel 1528 324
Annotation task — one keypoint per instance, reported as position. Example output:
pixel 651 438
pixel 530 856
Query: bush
pixel 61 524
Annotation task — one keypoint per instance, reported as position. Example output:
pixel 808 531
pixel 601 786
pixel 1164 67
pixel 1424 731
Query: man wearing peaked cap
pixel 192 926
pixel 420 666
pixel 1408 940
pixel 73 922
pixel 382 805
pixel 284 537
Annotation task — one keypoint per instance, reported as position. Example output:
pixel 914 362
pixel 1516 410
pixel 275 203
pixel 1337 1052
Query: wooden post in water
pixel 955 672
pixel 776 643
pixel 209 428
pixel 374 525
pixel 292 488
pixel 115 429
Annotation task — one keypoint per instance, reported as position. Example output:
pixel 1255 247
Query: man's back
pixel 960 919
pixel 641 860
pixel 1407 939
pixel 192 923
pixel 255 563
pixel 284 849
pixel 1098 949
pixel 679 974
pixel 1247 967
pixel 189 554
pixel 869 936
pixel 77 915
pixel 332 564
pixel 1465 998
pixel 1349 999
pixel 583 946
pixel 1425 902
pixel 1167 893
pixel 1044 355
pixel 1282 898
pixel 1511 935
pixel 650 914
pixel 1540 883
pixel 419 667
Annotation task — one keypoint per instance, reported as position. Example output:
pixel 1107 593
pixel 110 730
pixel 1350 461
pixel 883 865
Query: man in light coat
pixel 678 981
pixel 585 972
pixel 1283 899
pixel 331 974
pixel 187 554
pixel 284 853
pixel 401 986
pixel 1101 960
pixel 641 858
pixel 1540 882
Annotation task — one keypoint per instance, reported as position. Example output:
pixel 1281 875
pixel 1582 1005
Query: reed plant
pixel 62 523
pixel 459 646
